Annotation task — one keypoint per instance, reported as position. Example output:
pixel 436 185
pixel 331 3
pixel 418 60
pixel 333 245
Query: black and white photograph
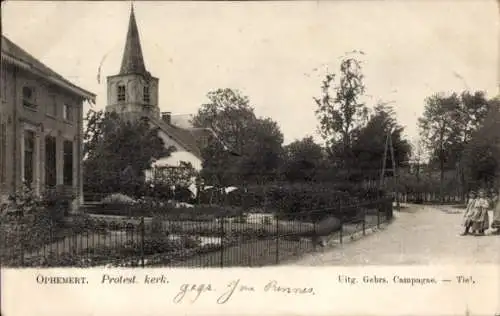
pixel 223 134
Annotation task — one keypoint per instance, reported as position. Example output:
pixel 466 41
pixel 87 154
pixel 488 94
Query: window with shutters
pixel 146 95
pixel 68 163
pixel 50 161
pixel 29 156
pixel 29 98
pixel 3 149
pixel 4 83
pixel 68 112
pixel 52 106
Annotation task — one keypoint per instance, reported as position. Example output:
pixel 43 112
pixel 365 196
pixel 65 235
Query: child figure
pixel 469 211
pixel 480 219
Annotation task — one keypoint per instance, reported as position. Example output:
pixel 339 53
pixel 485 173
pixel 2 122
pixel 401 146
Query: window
pixel 68 163
pixel 121 93
pixel 3 162
pixel 29 156
pixel 50 161
pixel 203 141
pixel 146 94
pixel 52 106
pixel 4 83
pixel 68 112
pixel 29 97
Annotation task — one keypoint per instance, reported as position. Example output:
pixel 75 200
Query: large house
pixel 40 126
pixel 133 93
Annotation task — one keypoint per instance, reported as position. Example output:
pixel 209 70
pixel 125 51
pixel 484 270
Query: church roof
pixel 14 54
pixel 187 138
pixel 132 61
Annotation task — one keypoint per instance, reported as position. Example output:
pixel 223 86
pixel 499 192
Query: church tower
pixel 133 92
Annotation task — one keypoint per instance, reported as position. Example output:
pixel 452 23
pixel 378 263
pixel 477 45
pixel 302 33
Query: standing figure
pixel 480 218
pixel 469 211
pixel 496 214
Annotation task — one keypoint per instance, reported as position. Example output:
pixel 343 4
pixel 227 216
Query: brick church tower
pixel 133 92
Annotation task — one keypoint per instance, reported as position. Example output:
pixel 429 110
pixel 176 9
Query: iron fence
pixel 257 239
pixel 432 198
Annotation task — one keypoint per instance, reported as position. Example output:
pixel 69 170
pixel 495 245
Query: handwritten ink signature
pixel 233 287
pixel 190 288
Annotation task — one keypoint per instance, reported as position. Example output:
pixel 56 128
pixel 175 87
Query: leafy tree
pixel 481 157
pixel 474 108
pixel 303 159
pixel 117 152
pixel 229 113
pixel 438 130
pixel 262 153
pixel 166 181
pixel 257 140
pixel 369 145
pixel 339 108
pixel 448 125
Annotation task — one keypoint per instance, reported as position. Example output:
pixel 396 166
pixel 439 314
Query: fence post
pixel 378 216
pixel 316 238
pixel 364 221
pixel 341 231
pixel 142 240
pixel 341 217
pixel 221 242
pixel 22 250
pixel 389 210
pixel 277 241
pixel 21 231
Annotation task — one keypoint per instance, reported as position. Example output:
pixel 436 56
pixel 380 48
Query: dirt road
pixel 418 235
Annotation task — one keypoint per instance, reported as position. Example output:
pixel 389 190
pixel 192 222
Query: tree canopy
pixel 117 152
pixel 303 160
pixel 448 125
pixel 370 143
pixel 481 156
pixel 339 108
pixel 258 141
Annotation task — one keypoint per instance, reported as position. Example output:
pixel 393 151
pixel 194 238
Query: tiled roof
pixel 189 139
pixel 14 52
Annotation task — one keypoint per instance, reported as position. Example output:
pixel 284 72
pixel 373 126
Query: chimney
pixel 166 117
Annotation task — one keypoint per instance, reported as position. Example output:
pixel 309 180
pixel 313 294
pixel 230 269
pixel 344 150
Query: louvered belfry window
pixel 121 93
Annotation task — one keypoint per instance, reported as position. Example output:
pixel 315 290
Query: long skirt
pixel 468 215
pixel 496 218
pixel 480 219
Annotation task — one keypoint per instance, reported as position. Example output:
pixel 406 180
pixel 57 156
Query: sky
pixel 276 53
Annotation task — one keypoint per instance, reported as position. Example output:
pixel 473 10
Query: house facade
pixel 41 118
pixel 134 93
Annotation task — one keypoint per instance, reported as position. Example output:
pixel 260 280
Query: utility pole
pixel 389 147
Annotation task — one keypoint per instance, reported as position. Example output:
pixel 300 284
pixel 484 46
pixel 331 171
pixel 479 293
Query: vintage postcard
pixel 250 158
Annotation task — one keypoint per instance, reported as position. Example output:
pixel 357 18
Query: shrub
pixel 58 201
pixel 242 219
pixel 267 221
pixel 118 199
pixel 190 241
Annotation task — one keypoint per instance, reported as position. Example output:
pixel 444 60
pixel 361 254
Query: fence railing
pixel 253 240
pixel 431 197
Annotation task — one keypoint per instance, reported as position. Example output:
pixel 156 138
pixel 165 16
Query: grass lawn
pixel 256 253
pixel 260 253
pixel 294 241
pixel 85 241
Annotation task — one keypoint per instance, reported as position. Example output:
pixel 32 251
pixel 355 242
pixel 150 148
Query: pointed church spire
pixel 133 61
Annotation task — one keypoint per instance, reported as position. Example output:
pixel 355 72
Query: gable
pixel 14 54
pixel 182 139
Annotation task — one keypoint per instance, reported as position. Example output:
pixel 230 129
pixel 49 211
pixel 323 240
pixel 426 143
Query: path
pixel 418 235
